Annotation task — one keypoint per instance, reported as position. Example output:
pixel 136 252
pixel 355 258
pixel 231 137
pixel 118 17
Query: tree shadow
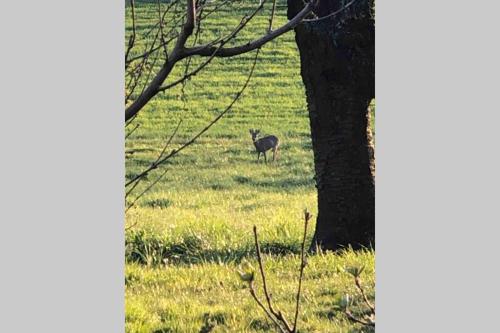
pixel 281 184
pixel 148 250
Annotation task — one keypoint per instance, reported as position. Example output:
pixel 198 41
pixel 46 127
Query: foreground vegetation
pixel 182 298
pixel 186 238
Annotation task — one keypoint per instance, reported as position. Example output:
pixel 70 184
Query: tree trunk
pixel 338 70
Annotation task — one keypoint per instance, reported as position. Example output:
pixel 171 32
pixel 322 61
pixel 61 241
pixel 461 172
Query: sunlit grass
pixel 188 235
pixel 179 298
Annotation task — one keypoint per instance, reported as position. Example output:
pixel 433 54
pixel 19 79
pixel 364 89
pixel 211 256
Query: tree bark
pixel 338 70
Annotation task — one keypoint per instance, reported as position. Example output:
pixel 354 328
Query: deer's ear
pixel 250 131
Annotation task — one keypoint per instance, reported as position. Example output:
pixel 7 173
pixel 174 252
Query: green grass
pixel 178 298
pixel 190 233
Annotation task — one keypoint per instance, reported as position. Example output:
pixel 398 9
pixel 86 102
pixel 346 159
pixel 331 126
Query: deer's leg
pixel 265 157
pixel 258 156
pixel 274 153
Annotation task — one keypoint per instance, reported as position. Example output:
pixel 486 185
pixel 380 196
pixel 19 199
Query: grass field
pixel 188 235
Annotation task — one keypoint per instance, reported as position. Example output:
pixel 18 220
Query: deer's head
pixel 254 133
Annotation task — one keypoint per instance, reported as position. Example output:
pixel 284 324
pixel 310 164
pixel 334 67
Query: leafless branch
pixel 352 318
pixel 186 76
pixel 221 42
pixel 174 133
pixel 137 72
pixel 132 131
pixel 162 34
pixel 130 121
pixel 271 18
pixel 218 6
pixel 131 41
pixel 150 69
pixel 269 315
pixel 307 217
pixel 271 311
pixel 363 294
pixel 174 152
pixel 153 49
pixel 367 320
pixel 147 189
pixel 208 50
pixel 331 14
pixel 174 24
pixel 276 313
pixel 162 153
pixel 145 80
pixel 188 27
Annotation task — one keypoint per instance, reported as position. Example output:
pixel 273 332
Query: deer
pixel 264 144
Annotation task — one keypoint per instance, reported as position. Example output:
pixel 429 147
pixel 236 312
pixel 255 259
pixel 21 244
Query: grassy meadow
pixel 188 235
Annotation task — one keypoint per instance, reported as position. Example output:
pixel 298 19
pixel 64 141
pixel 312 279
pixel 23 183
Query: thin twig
pixel 136 73
pixel 169 140
pixel 132 131
pixel 190 74
pixel 150 71
pixel 363 294
pixel 331 14
pixel 271 19
pixel 130 121
pixel 157 159
pixel 307 217
pixel 162 36
pixel 351 317
pixel 131 41
pixel 165 43
pixel 277 313
pixel 150 186
pixel 269 315
pixel 154 49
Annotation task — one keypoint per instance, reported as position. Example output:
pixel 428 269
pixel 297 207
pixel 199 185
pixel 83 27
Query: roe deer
pixel 264 144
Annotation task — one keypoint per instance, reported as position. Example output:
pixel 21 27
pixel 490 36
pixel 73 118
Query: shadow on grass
pixel 152 250
pixel 284 183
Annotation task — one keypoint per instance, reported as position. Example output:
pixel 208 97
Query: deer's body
pixel 264 144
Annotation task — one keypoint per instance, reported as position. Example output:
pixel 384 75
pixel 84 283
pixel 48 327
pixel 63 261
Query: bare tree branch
pixel 137 72
pixel 274 314
pixel 174 152
pixel 277 313
pixel 132 131
pixel 165 43
pixel 307 217
pixel 352 318
pixel 271 19
pixel 188 27
pixel 208 50
pixel 331 14
pixel 149 187
pixel 131 41
pixel 363 294
pixel 367 320
pixel 269 315
pixel 191 15
pixel 162 153
pixel 190 74
pixel 162 34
